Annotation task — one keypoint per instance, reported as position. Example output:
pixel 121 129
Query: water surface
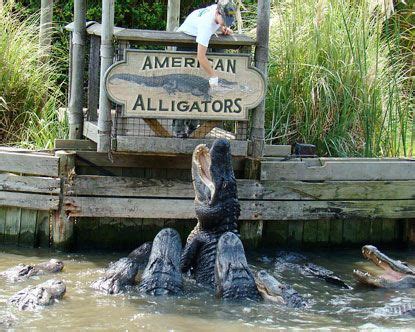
pixel 330 307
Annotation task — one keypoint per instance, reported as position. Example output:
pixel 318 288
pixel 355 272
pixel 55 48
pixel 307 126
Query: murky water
pixel 84 308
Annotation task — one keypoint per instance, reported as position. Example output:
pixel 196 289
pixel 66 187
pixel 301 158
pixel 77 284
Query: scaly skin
pixel 34 297
pixel 233 278
pixel 162 275
pixel 217 209
pixel 122 273
pixel 22 272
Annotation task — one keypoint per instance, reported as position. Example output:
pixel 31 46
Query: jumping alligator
pixel 34 297
pixel 172 83
pixel 397 274
pixel 162 275
pixel 271 289
pixel 22 272
pixel 122 273
pixel 217 209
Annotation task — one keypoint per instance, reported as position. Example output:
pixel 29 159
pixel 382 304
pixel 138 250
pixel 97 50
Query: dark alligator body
pixel 172 83
pixel 233 278
pixel 122 273
pixel 162 275
pixel 217 209
pixel 34 297
pixel 22 272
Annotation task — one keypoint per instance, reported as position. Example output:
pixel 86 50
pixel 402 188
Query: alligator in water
pixel 273 290
pixel 162 275
pixel 233 278
pixel 34 297
pixel 22 272
pixel 172 83
pixel 396 274
pixel 217 209
pixel 122 273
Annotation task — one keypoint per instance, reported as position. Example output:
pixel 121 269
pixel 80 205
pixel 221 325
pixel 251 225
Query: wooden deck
pixel 117 200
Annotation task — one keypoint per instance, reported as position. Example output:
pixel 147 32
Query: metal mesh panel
pixel 132 126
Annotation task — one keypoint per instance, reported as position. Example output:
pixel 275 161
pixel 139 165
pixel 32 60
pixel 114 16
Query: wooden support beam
pixel 261 62
pixel 173 15
pixel 157 127
pixel 75 144
pixel 93 78
pixel 32 184
pixel 76 116
pixel 107 53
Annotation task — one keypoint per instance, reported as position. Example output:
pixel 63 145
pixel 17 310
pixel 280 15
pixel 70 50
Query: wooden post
pixel 76 116
pixel 261 62
pixel 62 225
pixel 93 78
pixel 45 33
pixel 104 118
pixel 173 15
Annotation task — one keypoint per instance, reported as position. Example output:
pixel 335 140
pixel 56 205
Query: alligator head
pixel 216 200
pixel 162 275
pixel 273 290
pixel 397 274
pixel 233 278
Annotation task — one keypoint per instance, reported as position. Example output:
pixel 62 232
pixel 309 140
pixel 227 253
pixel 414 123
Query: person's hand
pixel 226 30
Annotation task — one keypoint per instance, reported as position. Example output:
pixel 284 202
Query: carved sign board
pixel 158 84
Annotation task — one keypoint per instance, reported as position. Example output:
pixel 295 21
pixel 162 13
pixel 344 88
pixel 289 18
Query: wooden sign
pixel 159 84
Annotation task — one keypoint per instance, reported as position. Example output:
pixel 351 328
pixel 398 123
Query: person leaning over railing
pixel 203 23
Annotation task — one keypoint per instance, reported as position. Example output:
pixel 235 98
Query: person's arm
pixel 203 60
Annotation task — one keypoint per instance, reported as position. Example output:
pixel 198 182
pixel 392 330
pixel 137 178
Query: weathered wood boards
pixel 339 169
pixel 166 38
pixel 29 163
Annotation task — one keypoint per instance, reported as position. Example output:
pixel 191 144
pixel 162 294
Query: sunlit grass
pixel 29 94
pixel 338 79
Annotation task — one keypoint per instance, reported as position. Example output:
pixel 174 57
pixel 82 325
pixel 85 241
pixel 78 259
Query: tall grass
pixel 338 79
pixel 29 94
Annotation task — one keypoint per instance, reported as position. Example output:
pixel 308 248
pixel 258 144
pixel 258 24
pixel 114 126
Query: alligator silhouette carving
pixel 186 83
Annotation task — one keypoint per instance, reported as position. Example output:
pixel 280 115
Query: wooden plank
pixel 29 201
pixel 94 67
pixel 363 231
pixel 323 231
pixel 250 210
pixel 389 230
pixel 167 38
pixel 29 163
pixel 275 233
pixel 204 129
pixel 251 232
pixel 12 182
pixel 157 128
pixel 338 170
pixel 27 228
pixel 42 229
pixel 376 231
pixel 310 231
pixel 3 210
pixel 277 150
pixel 336 231
pixel 295 232
pixel 177 162
pixel 75 144
pixel 91 130
pixel 334 190
pixel 350 231
pixel 12 225
pixel 171 145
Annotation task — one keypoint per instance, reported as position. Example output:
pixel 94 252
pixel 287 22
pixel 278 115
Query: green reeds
pixel 338 79
pixel 29 94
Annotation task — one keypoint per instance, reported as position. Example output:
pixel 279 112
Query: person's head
pixel 226 12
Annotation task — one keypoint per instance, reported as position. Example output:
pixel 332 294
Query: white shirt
pixel 201 24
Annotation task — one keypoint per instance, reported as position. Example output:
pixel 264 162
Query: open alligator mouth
pixel 203 161
pixel 396 273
